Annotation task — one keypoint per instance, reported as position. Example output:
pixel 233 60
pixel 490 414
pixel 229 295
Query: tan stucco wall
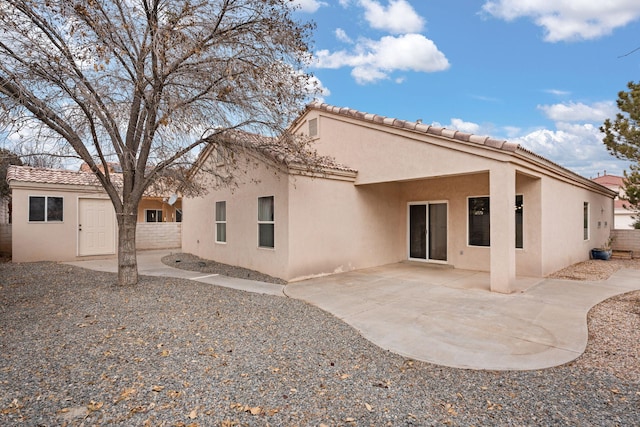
pixel 46 241
pixel 389 154
pixel 336 226
pixel 198 228
pixel 562 218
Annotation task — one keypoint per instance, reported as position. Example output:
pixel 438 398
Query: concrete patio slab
pixel 439 314
pixel 449 317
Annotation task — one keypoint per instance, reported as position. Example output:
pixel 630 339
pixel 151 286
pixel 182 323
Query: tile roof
pixel 53 176
pixel 66 177
pixel 417 127
pixel 282 152
pixel 609 180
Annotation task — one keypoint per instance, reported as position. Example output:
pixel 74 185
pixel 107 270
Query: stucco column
pixel 502 199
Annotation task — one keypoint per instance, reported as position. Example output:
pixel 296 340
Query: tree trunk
pixel 127 262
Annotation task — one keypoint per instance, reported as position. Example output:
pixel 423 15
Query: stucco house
pixel 623 216
pixel 398 191
pixel 61 215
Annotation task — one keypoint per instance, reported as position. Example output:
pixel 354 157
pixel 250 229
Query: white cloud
pixel 574 142
pixel 462 126
pixel 317 85
pixel 579 112
pixel 399 17
pixel 308 6
pixel 373 60
pixel 578 147
pixel 342 36
pixel 558 92
pixel 566 20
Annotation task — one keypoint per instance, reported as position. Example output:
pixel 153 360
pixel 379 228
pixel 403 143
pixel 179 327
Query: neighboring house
pixel 61 215
pixel 409 191
pixel 623 216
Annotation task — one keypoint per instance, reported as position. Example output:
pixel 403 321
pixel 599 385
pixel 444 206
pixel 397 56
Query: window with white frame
pixel 221 222
pixel 153 215
pixel 266 222
pixel 480 223
pixel 585 220
pixel 46 209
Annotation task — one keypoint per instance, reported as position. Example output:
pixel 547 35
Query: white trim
pixel 156 210
pixel 46 219
pixel 466 237
pixel 216 222
pixel 266 222
pixel 408 231
pixel 588 206
pixel 523 222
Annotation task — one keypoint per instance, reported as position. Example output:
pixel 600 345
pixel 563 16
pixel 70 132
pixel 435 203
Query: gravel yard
pixel 78 350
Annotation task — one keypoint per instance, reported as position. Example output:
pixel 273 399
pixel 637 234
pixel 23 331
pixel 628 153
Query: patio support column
pixel 502 198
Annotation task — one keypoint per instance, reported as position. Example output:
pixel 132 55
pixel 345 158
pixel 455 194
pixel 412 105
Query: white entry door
pixel 427 231
pixel 96 227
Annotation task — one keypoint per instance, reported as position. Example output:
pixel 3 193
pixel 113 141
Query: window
pixel 221 222
pixel 313 127
pixel 153 215
pixel 585 220
pixel 519 212
pixel 266 223
pixel 45 209
pixel 479 221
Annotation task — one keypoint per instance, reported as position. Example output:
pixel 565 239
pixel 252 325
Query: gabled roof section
pixel 294 155
pixel 487 142
pixel 417 127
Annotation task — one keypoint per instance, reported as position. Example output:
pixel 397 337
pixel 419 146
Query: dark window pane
pixel 152 216
pixel 178 215
pixel 221 211
pixel 519 216
pixel 54 208
pixel 479 222
pixel 221 232
pixel 36 208
pixel 265 208
pixel 585 218
pixel 266 238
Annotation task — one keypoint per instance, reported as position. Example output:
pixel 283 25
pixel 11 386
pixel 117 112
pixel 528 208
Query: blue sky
pixel 543 73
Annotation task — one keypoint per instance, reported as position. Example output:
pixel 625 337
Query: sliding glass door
pixel 427 232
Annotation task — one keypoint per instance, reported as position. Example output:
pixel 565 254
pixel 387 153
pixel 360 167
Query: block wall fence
pixel 158 235
pixel 628 240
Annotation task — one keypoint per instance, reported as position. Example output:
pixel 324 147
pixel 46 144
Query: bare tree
pixel 147 83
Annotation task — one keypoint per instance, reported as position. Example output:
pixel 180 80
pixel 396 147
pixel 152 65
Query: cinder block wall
pixel 159 235
pixel 628 240
pixel 5 239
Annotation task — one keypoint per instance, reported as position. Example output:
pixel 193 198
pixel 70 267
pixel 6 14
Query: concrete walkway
pixel 441 315
pixel 150 264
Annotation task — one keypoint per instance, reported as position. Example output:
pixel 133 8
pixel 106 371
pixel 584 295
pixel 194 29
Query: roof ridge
pixel 417 127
